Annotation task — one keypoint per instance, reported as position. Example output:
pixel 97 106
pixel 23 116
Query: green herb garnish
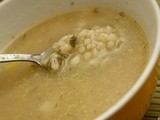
pixel 72 3
pixel 60 60
pixel 48 64
pixel 95 10
pixel 122 14
pixel 73 41
pixel 63 55
pixel 24 36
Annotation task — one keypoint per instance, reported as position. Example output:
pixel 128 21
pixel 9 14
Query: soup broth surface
pixel 29 92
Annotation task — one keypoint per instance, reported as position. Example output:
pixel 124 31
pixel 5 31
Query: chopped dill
pixel 72 3
pixel 95 10
pixel 73 41
pixel 122 14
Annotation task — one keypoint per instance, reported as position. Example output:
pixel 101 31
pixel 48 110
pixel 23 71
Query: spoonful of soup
pixel 88 45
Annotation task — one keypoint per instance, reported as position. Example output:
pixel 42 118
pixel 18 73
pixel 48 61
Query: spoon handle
pixel 18 57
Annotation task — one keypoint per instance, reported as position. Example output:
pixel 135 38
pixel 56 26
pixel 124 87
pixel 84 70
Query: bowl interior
pixel 19 15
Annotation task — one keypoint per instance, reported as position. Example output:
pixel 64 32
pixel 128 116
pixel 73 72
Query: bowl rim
pixel 143 78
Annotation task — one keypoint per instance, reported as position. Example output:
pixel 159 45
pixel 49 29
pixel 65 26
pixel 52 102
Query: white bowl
pixel 17 16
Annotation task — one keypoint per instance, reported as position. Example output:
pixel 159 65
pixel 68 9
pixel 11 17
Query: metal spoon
pixel 36 58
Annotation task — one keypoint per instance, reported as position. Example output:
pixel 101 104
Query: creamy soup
pixel 30 92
